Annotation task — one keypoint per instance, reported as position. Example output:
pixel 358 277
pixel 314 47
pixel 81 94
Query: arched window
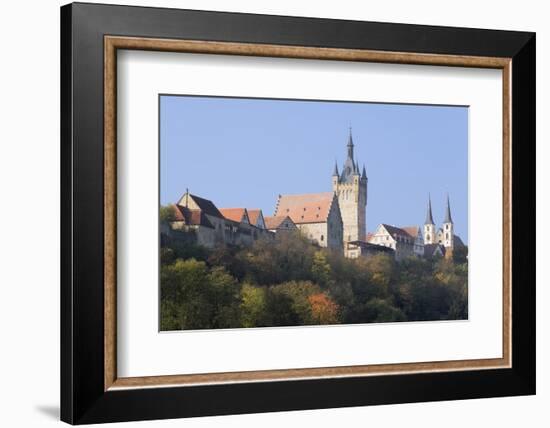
pixel 446 236
pixel 322 238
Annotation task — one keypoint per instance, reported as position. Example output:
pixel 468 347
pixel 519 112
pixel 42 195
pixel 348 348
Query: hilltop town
pixel 334 219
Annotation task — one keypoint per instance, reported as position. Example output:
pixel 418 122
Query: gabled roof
pixel 305 208
pixel 276 221
pixel 431 249
pixel 205 205
pixel 239 215
pixel 396 231
pixel 254 215
pixel 191 217
pixel 413 231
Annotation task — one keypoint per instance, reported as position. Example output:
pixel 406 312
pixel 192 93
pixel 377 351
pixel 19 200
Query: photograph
pixel 277 210
pixel 281 212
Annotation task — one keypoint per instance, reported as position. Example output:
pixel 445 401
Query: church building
pixel 444 237
pixel 316 215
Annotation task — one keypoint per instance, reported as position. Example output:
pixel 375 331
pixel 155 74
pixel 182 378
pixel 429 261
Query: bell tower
pixel 448 227
pixel 351 188
pixel 429 226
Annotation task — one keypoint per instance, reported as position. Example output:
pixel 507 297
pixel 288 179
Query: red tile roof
pixel 191 217
pixel 275 221
pixel 205 205
pixel 234 214
pixel 306 208
pixel 396 231
pixel 411 230
pixel 253 215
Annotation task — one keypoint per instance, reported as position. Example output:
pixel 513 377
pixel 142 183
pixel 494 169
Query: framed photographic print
pixel 266 213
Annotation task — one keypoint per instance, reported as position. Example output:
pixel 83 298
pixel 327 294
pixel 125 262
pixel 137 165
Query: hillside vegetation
pixel 290 282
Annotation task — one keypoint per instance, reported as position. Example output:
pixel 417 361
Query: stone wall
pixel 352 199
pixel 316 232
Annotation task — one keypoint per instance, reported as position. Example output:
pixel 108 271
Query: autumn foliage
pixel 291 282
pixel 323 309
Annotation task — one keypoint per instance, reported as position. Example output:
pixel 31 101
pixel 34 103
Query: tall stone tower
pixel 351 188
pixel 448 227
pixel 429 225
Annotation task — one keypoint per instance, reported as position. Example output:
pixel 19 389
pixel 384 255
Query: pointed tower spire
pixel 350 145
pixel 429 217
pixel 448 218
pixel 364 175
pixel 335 173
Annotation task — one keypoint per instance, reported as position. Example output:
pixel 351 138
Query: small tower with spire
pixel 350 185
pixel 448 227
pixel 429 225
pixel 335 175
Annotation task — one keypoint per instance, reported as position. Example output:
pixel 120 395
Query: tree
pixel 381 268
pixel 279 310
pixel 195 297
pixel 287 258
pixel 323 309
pixel 228 258
pixel 381 310
pixel 290 281
pixel 167 256
pixel 299 293
pixel 320 268
pixel 167 213
pixel 182 293
pixel 460 255
pixel 224 295
pixel 253 306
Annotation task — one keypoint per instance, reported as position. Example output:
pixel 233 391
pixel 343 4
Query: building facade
pixel 280 224
pixel 316 215
pixel 336 220
pixel 212 226
pixel 395 238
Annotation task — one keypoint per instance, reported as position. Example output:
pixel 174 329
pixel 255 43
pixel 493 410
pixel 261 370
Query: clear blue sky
pixel 244 152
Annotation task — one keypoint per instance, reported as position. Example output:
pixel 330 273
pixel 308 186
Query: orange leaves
pixel 323 309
